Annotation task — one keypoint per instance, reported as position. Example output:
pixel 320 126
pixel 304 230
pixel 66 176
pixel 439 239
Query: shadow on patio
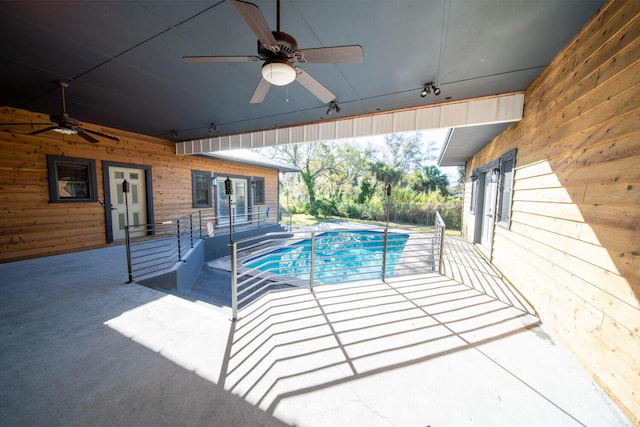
pixel 415 350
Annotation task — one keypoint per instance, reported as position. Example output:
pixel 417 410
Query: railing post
pixel 200 224
pixel 312 261
pixel 386 232
pixel 234 282
pixel 128 245
pixel 433 246
pixel 191 230
pixel 231 216
pixel 384 254
pixel 179 239
pixel 441 263
pixel 258 216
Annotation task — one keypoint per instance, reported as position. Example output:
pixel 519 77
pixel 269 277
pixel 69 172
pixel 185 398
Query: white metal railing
pixel 441 227
pixel 304 259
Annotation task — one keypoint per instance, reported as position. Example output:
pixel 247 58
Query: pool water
pixel 339 256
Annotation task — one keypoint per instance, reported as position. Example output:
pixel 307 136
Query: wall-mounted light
pixel 214 181
pixel 474 178
pixel 333 106
pixel 495 175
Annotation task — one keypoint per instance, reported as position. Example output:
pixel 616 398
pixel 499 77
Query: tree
pixel 316 159
pixel 429 179
pixel 405 151
pixel 387 174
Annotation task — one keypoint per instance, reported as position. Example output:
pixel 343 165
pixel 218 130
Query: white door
pixel 136 201
pixel 488 211
pixel 238 201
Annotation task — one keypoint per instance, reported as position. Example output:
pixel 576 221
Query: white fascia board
pixel 474 112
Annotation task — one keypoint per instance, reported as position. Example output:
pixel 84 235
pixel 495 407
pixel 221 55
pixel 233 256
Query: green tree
pixel 366 191
pixel 385 173
pixel 430 179
pixel 404 151
pixel 316 159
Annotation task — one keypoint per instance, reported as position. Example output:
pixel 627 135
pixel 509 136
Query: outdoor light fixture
pixel 428 88
pixel 495 175
pixel 333 106
pixel 214 181
pixel 278 72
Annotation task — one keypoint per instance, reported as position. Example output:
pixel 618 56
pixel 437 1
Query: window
pixel 258 191
pixel 201 184
pixel 507 163
pixel 71 179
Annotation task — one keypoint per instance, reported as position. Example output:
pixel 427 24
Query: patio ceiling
pixel 123 59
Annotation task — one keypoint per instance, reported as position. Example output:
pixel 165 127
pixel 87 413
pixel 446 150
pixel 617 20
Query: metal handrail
pixel 322 257
pixel 157 247
pixel 440 232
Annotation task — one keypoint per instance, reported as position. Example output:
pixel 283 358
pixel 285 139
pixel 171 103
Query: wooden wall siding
pixel 31 227
pixel 573 248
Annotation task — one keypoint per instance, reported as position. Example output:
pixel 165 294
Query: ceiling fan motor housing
pixel 64 120
pixel 286 49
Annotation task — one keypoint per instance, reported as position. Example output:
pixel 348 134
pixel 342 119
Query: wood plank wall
pixel 573 248
pixel 32 227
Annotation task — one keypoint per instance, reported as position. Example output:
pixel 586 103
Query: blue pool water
pixel 339 256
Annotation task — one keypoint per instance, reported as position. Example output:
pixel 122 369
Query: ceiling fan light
pixel 279 73
pixel 66 131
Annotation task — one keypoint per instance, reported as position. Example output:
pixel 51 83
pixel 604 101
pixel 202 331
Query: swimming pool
pixel 338 256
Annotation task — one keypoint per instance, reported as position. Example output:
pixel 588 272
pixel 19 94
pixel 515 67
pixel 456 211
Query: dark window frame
pixel 194 187
pixel 259 195
pixel 505 189
pixel 53 174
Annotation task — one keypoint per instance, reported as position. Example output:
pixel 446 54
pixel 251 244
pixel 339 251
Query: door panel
pixel 488 211
pixel 135 201
pixel 238 201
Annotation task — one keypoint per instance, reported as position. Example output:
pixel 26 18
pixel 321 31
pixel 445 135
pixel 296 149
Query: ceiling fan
pixel 280 52
pixel 65 124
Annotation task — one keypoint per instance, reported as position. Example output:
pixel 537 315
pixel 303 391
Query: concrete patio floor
pixel 78 346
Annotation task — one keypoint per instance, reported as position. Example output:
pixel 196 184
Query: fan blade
pixel 197 59
pixel 35 132
pixel 255 20
pixel 103 135
pixel 25 124
pixel 336 54
pixel 314 86
pixel 86 136
pixel 260 92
